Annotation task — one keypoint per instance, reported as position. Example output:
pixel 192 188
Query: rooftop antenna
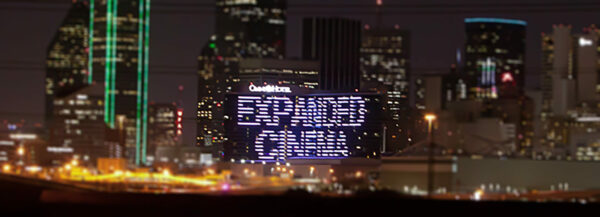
pixel 379 3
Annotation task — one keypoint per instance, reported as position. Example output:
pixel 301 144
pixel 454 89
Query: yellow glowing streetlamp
pixel 21 151
pixel 166 172
pixel 358 174
pixel 6 168
pixel 430 118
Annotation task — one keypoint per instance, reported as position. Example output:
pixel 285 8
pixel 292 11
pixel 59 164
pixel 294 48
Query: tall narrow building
pixel 67 58
pixel 495 57
pixel 385 61
pixel 112 51
pixel 494 74
pixel 244 29
pixel 335 43
pixel 385 68
pixel 119 44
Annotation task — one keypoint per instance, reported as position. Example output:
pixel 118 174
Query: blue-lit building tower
pixel 494 57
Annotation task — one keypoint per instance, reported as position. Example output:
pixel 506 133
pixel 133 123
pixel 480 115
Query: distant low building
pixel 466 174
pixel 164 126
pixel 179 157
pixel 78 127
pixel 111 165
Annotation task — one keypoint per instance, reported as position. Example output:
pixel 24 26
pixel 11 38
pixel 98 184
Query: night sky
pixel 179 28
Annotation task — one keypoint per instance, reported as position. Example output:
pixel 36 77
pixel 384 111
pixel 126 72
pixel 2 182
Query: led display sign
pixel 300 127
pixel 583 42
pixel 269 89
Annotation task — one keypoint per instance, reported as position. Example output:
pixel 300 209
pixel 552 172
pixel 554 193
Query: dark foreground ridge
pixel 28 198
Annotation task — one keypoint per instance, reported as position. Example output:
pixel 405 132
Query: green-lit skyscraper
pixel 119 44
pixel 112 44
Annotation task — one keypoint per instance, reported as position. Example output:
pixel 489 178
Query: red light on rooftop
pixel 507 77
pixel 379 2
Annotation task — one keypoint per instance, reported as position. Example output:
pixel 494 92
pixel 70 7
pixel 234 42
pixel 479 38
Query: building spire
pixel 379 3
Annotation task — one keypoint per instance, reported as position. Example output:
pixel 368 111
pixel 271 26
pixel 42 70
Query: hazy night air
pixel 299 107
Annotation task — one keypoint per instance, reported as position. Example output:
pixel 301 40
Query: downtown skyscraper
pixel 119 47
pixel 244 29
pixel 335 43
pixel 570 96
pixel 494 57
pixel 385 68
pixel 116 46
pixel 494 76
pixel 67 58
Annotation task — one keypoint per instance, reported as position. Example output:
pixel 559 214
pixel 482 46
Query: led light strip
pixel 138 121
pixel 142 97
pixel 146 61
pixel 114 61
pixel 107 68
pixel 91 44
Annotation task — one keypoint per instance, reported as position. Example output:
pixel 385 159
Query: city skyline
pixel 332 102
pixel 184 62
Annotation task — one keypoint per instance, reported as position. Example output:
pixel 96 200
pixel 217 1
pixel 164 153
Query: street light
pixel 21 151
pixel 6 168
pixel 430 118
pixel 21 154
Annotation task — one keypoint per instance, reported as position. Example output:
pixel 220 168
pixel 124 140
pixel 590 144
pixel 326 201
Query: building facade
pixel 67 58
pixel 570 63
pixel 119 46
pixel 335 43
pixel 164 125
pixel 494 57
pixel 112 51
pixel 385 68
pixel 244 29
pixel 79 127
pixel 297 73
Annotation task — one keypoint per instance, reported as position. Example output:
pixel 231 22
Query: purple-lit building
pixel 273 123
